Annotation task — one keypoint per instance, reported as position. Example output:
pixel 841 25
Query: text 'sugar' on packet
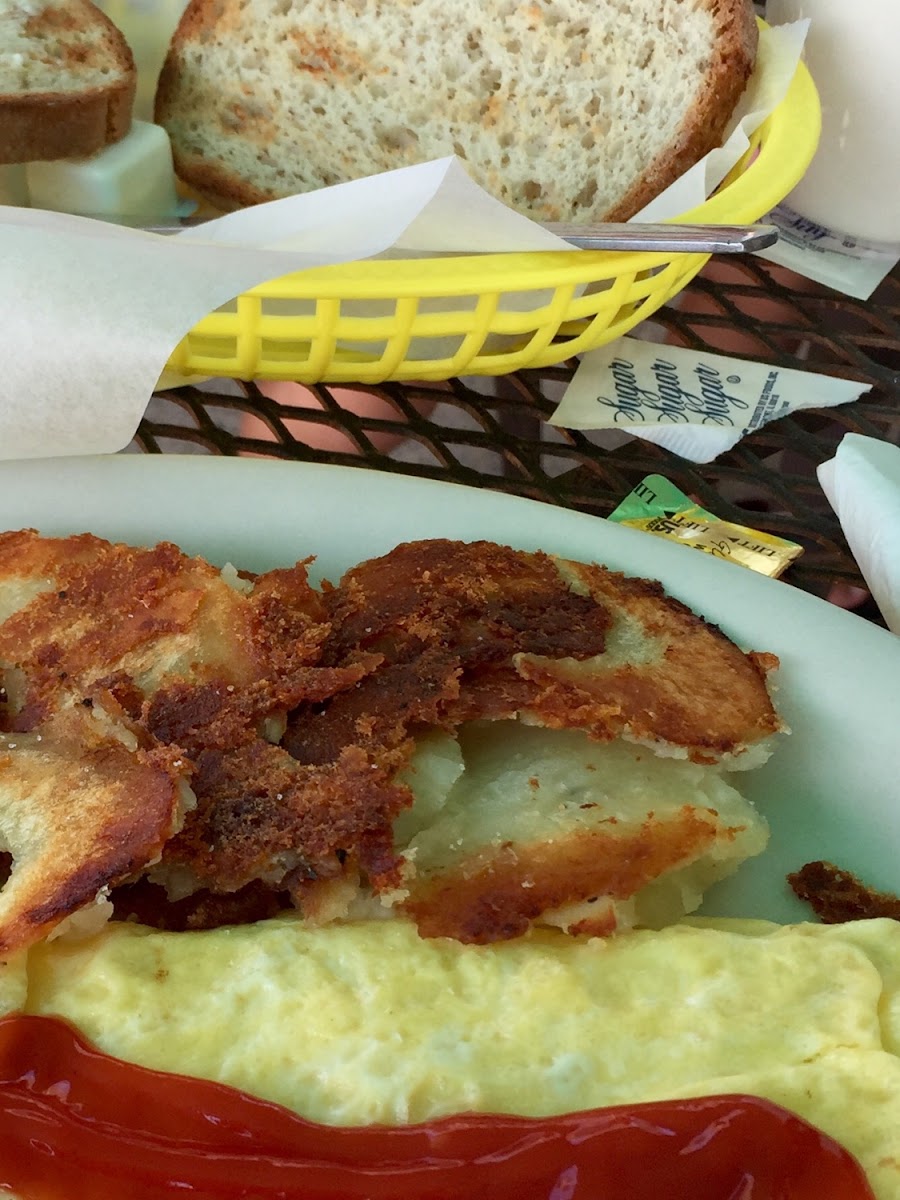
pixel 693 403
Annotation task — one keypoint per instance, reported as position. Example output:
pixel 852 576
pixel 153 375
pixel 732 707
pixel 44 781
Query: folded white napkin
pixel 862 483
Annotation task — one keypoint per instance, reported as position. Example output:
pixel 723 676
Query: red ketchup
pixel 78 1125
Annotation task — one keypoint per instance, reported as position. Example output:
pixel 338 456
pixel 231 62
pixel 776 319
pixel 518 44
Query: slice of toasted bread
pixel 569 110
pixel 67 80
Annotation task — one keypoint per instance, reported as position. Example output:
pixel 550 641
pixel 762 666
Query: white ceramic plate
pixel 832 789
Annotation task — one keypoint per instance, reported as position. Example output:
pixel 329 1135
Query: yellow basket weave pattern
pixel 377 320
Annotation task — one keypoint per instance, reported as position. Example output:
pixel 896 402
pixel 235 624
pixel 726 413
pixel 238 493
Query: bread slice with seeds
pixel 67 80
pixel 566 110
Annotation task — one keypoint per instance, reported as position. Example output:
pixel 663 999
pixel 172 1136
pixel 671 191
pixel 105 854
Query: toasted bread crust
pixel 221 188
pixel 47 125
pixel 705 125
pixel 74 121
pixel 217 186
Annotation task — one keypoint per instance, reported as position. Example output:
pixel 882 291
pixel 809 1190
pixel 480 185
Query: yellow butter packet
pixel 659 507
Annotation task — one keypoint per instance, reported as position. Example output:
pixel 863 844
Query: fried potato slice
pixel 445 621
pixel 472 633
pixel 837 896
pixel 548 827
pixel 89 618
pixel 82 808
pixel 563 644
pixel 426 626
pixel 667 680
pixel 182 669
pixel 119 662
pixel 262 815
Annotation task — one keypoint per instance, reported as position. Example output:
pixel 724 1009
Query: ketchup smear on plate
pixel 76 1124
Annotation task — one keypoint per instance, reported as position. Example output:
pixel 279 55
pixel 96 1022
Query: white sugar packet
pixel 862 483
pixel 846 264
pixel 695 404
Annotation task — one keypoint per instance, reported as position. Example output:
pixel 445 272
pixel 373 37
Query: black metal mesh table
pixel 492 433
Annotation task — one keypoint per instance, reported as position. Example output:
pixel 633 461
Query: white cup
pixel 853 184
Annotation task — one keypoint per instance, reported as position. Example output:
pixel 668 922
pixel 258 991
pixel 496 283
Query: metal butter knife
pixel 667 239
pixel 674 239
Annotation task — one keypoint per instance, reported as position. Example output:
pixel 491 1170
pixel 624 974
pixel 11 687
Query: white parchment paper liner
pixel 862 483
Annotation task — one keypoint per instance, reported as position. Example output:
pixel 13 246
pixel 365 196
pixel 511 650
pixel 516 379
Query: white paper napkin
pixel 862 483
pixel 91 311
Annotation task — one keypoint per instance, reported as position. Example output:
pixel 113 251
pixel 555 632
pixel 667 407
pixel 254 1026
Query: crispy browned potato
pixel 120 666
pixel 836 896
pixel 131 671
pixel 82 808
pixel 468 633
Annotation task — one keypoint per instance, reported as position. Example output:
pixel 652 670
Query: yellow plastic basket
pixel 436 318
